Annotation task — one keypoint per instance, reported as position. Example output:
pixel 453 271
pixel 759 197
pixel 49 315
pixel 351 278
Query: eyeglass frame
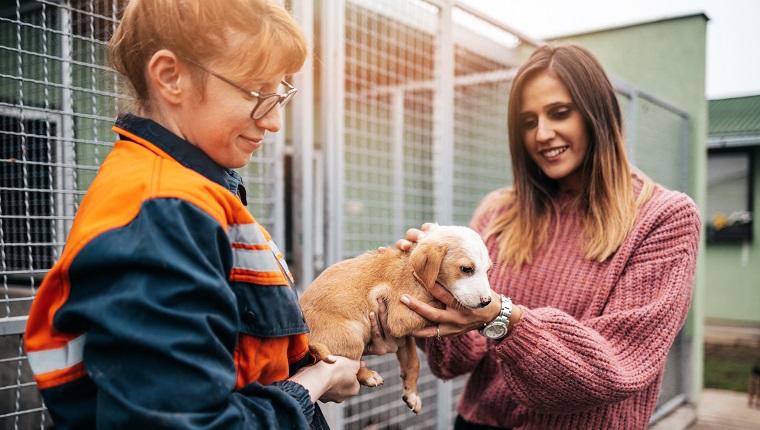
pixel 287 96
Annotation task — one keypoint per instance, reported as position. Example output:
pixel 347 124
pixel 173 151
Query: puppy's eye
pixel 467 270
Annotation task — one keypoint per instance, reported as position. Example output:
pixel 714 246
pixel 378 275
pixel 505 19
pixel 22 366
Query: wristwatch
pixel 498 328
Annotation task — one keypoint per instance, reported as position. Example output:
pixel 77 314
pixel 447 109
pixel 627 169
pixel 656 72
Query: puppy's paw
pixel 322 352
pixel 413 401
pixel 369 378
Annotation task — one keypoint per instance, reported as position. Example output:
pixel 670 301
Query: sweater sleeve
pixel 449 357
pixel 555 363
pixel 162 327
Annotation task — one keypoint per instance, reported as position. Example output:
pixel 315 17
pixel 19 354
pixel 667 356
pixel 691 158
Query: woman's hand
pixel 330 382
pixel 414 235
pixel 381 341
pixel 454 318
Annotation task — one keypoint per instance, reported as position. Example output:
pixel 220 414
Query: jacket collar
pixel 182 151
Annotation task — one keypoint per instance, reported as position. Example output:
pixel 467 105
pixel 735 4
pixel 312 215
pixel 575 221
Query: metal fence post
pixel 443 105
pixel 443 159
pixel 302 114
pixel 332 17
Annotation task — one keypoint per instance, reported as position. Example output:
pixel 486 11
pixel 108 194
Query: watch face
pixel 495 331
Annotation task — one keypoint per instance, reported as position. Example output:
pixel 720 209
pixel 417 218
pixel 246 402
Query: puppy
pixel 337 304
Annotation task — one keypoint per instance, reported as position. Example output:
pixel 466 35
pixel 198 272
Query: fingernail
pixel 371 315
pixel 405 299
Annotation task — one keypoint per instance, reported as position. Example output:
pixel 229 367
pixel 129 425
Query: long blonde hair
pixel 607 199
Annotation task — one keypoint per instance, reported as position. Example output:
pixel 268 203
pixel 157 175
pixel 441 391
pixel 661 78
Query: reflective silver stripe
pixel 59 358
pixel 248 234
pixel 276 253
pixel 259 260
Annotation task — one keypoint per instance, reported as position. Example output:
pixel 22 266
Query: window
pixel 729 195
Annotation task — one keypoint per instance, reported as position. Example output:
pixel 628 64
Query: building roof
pixel 734 122
pixel 739 115
pixel 626 25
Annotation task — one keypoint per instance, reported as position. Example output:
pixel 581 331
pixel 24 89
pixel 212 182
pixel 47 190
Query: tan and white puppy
pixel 337 304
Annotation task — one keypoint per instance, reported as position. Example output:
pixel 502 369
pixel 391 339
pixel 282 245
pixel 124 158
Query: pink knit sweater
pixel 590 349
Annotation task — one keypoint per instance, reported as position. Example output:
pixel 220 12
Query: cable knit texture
pixel 590 349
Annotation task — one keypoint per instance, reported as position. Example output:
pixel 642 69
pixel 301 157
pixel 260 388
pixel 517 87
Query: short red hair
pixel 241 38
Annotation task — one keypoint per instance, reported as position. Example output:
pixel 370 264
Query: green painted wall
pixel 733 272
pixel 668 58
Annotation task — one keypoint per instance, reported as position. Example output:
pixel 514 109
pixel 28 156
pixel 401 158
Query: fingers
pixel 426 311
pixel 452 320
pixel 375 334
pixel 442 294
pixel 428 226
pixel 373 324
pixel 414 235
pixel 426 332
pixel 380 340
pixel 330 382
pixel 382 310
pixel 374 327
pixel 393 343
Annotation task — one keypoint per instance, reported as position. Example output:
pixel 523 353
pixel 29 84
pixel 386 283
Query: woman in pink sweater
pixel 598 260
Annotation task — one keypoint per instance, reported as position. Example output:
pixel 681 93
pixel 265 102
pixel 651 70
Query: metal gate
pixel 400 119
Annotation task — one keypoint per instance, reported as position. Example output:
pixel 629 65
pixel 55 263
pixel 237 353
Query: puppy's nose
pixel 485 301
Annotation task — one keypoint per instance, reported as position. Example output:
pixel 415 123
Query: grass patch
pixel 727 367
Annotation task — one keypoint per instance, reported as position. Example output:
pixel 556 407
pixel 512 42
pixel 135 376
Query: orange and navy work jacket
pixel 170 306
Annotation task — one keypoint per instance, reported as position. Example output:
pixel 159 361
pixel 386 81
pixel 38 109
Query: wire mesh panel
pixel 657 136
pixel 659 149
pixel 58 102
pixel 417 158
pixel 388 130
pixel 392 82
pixel 263 180
pixel 660 152
pixel 485 61
pixel 674 384
pixel 390 54
pixel 20 401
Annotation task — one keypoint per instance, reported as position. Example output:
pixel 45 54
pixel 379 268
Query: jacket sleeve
pixel 555 363
pixel 162 327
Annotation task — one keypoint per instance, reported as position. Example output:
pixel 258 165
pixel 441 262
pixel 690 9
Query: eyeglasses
pixel 265 103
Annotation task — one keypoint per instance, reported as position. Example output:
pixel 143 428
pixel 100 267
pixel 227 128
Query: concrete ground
pixel 718 409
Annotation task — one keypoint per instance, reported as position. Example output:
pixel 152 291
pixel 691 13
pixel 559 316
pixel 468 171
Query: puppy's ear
pixel 426 260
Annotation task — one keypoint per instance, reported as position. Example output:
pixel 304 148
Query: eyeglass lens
pixel 268 103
